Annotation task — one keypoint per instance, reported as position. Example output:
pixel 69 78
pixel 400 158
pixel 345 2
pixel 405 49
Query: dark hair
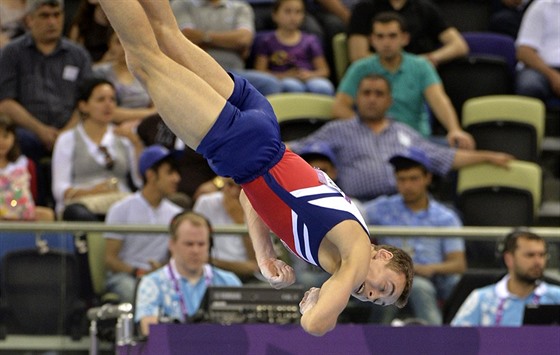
pixel 278 3
pixel 407 164
pixel 7 125
pixel 378 77
pixel 84 21
pixel 509 244
pixel 400 263
pixel 88 85
pixel 86 89
pixel 167 160
pixel 390 16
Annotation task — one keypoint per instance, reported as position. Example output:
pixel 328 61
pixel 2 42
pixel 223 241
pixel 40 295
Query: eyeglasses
pixel 109 162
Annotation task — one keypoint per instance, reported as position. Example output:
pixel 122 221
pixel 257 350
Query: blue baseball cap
pixel 153 155
pixel 318 148
pixel 412 154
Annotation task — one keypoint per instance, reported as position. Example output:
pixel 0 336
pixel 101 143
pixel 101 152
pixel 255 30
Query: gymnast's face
pixel 382 286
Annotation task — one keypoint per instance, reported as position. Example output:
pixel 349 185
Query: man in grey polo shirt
pixel 40 74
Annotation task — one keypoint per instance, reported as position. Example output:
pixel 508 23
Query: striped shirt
pixel 362 156
pixel 45 85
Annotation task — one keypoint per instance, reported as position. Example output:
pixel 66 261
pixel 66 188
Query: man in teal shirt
pixel 413 80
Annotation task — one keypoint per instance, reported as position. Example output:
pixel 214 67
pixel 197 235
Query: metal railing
pixel 468 233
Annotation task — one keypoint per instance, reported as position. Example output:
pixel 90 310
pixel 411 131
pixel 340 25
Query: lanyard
pixel 502 304
pixel 207 271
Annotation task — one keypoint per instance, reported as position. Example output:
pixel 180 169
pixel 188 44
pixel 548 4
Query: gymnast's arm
pixel 278 273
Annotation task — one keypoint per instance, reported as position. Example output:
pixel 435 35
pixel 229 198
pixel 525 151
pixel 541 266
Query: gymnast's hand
pixel 309 299
pixel 278 273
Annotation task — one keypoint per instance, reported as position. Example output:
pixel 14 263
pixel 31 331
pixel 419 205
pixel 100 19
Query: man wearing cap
pixel 320 155
pixel 129 255
pixel 39 80
pixel 438 262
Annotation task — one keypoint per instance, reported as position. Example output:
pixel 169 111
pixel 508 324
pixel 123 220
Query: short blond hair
pixel 194 218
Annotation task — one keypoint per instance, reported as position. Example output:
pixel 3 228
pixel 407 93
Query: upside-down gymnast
pixel 233 126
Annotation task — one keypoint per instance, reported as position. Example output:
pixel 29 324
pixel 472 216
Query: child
pixel 294 57
pixel 16 180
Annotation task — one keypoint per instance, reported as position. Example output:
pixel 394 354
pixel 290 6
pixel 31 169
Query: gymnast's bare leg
pixel 187 86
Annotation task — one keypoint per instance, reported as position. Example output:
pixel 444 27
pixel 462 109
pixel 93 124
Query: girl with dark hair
pixel 17 179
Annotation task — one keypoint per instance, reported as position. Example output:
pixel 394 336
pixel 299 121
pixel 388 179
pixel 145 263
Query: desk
pixel 345 339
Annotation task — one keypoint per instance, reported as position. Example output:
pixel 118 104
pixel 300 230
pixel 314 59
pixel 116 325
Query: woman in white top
pixel 95 157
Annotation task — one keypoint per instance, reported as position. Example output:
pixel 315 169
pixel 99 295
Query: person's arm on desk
pixel 147 305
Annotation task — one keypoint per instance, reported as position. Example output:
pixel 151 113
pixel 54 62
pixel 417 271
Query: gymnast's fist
pixel 278 273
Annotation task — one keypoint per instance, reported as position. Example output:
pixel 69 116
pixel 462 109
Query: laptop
pixel 542 314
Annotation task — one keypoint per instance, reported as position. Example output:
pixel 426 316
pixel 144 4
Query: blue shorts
pixel 244 142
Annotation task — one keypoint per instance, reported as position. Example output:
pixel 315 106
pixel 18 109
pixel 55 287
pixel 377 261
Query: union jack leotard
pixel 300 205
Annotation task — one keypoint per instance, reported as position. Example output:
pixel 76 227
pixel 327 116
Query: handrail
pixel 468 233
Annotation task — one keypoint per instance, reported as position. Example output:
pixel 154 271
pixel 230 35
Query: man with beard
pixel 502 304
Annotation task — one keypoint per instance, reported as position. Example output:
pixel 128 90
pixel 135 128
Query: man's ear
pixel 383 254
pixel 508 259
pixel 405 40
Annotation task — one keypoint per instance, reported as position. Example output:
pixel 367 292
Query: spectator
pixel 134 103
pixel 334 17
pixel 538 49
pixel 320 155
pixel 294 57
pixel 506 16
pixel 502 304
pixel 95 157
pixel 413 82
pixel 129 256
pixel 231 252
pixel 363 145
pixel 438 262
pixel 225 29
pixel 39 80
pixel 39 100
pixel 175 291
pixel 90 27
pixel 12 13
pixel 197 177
pixel 431 35
pixel 17 180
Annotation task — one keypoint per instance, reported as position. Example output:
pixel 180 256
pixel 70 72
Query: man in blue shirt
pixel 502 304
pixel 438 262
pixel 176 289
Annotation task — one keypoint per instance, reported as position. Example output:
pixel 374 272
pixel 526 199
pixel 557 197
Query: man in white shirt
pixel 128 256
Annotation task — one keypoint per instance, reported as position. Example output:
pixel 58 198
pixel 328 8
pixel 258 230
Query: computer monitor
pixel 542 314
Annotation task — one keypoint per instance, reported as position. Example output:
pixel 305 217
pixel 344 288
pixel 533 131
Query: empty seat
pixel 475 76
pixel 299 114
pixel 507 123
pixel 492 196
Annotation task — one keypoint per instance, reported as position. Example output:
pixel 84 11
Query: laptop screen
pixel 543 314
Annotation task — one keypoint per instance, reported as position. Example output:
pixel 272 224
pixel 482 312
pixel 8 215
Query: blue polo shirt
pixel 408 84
